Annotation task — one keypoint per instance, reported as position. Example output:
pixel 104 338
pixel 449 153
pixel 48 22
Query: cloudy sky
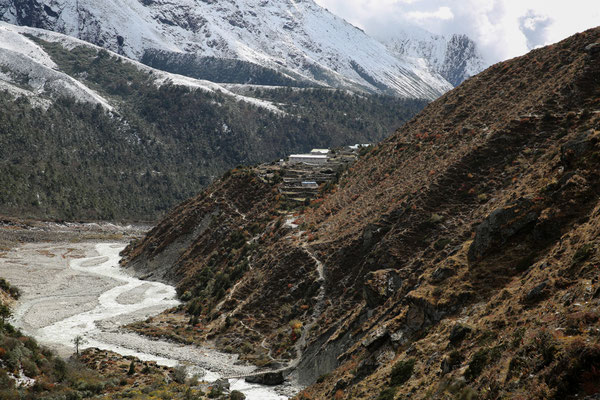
pixel 502 28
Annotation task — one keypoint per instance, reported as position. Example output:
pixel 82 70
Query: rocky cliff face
pixel 287 42
pixel 456 57
pixel 457 258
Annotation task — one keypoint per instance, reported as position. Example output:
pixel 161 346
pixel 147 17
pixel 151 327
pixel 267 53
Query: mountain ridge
pixel 298 39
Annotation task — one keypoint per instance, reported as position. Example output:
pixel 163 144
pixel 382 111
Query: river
pixel 78 289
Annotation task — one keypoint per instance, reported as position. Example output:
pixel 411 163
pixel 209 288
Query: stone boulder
pixel 267 378
pixel 593 48
pixel 380 285
pixel 572 152
pixel 537 293
pixel 501 225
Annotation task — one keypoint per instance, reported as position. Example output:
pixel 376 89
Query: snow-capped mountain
pixel 456 57
pixel 303 42
pixel 26 69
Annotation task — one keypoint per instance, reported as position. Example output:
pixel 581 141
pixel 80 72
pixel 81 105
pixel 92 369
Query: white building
pixel 310 184
pixel 320 151
pixel 308 159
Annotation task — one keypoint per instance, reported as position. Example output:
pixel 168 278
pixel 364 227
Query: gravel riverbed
pixel 77 289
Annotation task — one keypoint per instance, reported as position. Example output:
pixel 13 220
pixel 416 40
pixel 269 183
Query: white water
pixel 92 298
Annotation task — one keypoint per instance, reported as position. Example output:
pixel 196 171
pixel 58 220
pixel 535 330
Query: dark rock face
pixel 440 274
pixel 28 12
pixel 501 225
pixel 380 285
pixel 536 294
pixel 268 378
pixel 458 333
pixel 572 151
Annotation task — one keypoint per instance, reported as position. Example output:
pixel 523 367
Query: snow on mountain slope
pixel 456 58
pixel 26 69
pixel 297 38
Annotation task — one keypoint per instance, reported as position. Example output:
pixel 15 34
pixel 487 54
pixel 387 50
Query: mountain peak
pixel 455 57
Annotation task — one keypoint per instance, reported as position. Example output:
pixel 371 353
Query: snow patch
pixel 23 58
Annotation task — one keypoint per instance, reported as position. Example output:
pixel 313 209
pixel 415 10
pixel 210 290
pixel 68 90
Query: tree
pixel 131 368
pixel 78 341
pixel 4 312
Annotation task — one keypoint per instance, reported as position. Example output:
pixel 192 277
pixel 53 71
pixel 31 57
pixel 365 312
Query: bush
pixel 477 364
pixel 215 392
pixel 583 253
pixel 387 394
pixel 131 370
pixel 237 395
pixel 402 371
pixel 179 374
pixel 60 369
pixel 29 368
pixel 322 378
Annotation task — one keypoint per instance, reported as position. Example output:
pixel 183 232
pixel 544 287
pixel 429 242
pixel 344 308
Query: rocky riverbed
pixel 74 289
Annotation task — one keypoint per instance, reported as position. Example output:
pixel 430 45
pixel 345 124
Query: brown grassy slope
pixel 466 154
pixel 520 138
pixel 482 210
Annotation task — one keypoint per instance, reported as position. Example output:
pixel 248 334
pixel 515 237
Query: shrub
pixel 387 394
pixel 454 360
pixel 131 370
pixel 402 371
pixel 60 369
pixel 29 368
pixel 5 380
pixel 322 378
pixel 517 337
pixel 31 344
pixel 186 296
pixel 546 346
pixel 215 392
pixel 179 374
pixel 237 395
pixel 9 394
pixel 477 364
pixel 583 253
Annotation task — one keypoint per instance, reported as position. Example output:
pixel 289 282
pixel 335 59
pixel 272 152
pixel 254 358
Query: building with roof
pixel 308 159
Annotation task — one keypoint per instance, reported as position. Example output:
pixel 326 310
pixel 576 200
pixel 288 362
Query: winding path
pixel 300 344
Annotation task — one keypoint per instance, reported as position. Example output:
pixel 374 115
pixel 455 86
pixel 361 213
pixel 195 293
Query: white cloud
pixel 443 13
pixel 501 28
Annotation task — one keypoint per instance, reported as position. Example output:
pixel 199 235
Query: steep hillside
pixel 457 259
pixel 456 57
pixel 88 134
pixel 250 41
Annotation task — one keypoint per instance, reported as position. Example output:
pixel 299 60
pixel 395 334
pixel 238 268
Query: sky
pixel 502 29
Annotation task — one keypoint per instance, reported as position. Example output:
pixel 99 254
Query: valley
pixel 257 200
pixel 76 289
